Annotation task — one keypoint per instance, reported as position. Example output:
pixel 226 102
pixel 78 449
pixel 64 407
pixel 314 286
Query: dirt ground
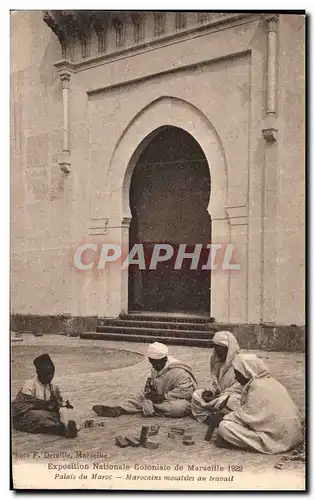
pixel 113 377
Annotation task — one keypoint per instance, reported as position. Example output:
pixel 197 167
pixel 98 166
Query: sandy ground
pixel 86 389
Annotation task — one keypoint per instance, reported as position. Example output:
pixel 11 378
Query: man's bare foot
pixel 107 411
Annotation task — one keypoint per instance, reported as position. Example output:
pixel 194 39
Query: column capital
pixel 125 222
pixel 65 162
pixel 272 21
pixel 65 69
pixel 238 215
pixel 270 128
pixel 65 77
pixel 270 134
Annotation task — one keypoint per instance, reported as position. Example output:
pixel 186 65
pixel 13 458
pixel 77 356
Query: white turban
pixel 157 350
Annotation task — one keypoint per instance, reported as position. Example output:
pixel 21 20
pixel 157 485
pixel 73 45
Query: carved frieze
pixel 138 27
pixel 127 28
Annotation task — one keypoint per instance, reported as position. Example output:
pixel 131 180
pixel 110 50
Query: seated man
pixel 222 381
pixel 38 406
pixel 167 392
pixel 267 419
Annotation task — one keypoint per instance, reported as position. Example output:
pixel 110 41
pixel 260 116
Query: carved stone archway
pixel 175 112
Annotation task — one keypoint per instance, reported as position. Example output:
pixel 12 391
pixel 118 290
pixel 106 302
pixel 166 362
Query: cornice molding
pixel 94 20
pixel 64 65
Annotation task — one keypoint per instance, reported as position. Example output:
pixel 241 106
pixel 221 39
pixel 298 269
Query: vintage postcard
pixel 157 250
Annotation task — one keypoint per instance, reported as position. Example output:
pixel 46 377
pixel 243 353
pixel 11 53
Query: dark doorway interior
pixel 169 195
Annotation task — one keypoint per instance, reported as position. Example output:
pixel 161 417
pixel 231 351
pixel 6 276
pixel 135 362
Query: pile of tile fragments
pixel 149 437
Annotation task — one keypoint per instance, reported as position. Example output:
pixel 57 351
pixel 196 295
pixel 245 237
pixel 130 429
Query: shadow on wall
pixel 48 74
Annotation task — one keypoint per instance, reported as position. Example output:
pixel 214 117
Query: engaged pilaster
pixel 270 130
pixel 65 72
pixel 269 186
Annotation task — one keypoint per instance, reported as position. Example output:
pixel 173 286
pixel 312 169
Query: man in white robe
pixel 167 391
pixel 267 420
pixel 222 381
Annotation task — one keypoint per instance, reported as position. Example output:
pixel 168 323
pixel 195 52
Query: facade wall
pixel 41 198
pixel 214 86
pixel 291 174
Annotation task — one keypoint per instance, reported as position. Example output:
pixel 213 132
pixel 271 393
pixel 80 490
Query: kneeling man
pixel 167 391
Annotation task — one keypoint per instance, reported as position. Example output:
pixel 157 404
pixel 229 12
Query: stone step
pixel 127 337
pixel 166 317
pixel 161 332
pixel 166 325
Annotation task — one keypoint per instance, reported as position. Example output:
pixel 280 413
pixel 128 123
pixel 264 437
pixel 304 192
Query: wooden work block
pixel 278 466
pixel 172 435
pixel 154 430
pixel 144 434
pixel 188 442
pixel 187 437
pixel 133 441
pixel 151 445
pixel 121 441
pixel 178 430
pixel 88 424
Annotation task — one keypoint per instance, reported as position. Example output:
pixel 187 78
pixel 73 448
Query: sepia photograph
pixel 157 250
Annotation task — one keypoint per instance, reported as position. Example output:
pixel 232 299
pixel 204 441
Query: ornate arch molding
pixel 166 111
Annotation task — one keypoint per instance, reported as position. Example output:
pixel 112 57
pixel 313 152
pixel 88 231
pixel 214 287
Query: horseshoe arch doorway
pixel 169 196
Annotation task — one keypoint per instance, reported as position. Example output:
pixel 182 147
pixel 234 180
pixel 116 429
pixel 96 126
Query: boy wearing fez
pixel 39 408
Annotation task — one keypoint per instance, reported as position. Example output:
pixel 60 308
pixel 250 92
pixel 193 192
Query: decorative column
pixel 65 160
pixel 270 131
pixel 114 276
pixel 238 274
pixel 125 225
pixel 220 280
pixel 272 60
pixel 269 185
pixel 65 72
